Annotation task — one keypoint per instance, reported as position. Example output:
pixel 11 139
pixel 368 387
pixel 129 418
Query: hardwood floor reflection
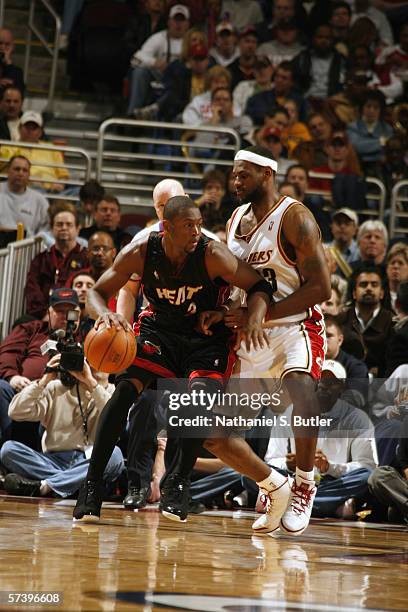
pixel 142 561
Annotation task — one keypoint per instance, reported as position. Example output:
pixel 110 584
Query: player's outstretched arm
pixel 222 263
pixel 301 232
pixel 129 261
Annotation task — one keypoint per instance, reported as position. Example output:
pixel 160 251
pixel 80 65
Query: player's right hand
pixel 113 319
pixel 236 317
pixel 208 318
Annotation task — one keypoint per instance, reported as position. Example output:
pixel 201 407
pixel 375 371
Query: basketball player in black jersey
pixel 182 274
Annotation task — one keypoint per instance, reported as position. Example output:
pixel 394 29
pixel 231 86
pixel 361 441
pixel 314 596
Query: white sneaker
pixel 297 516
pixel 275 502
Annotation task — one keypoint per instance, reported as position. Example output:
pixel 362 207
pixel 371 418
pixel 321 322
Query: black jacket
pixel 397 348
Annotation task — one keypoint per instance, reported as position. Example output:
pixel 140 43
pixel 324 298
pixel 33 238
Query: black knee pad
pixel 125 393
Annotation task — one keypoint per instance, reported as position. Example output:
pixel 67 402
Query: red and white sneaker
pixel 275 503
pixel 297 516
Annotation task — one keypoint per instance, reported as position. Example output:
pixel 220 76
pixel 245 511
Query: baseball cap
pixel 262 61
pixel 224 26
pixel 248 30
pixel 347 212
pixel 338 371
pixel 179 9
pixel 63 295
pixel 272 131
pixel 31 116
pixel 198 50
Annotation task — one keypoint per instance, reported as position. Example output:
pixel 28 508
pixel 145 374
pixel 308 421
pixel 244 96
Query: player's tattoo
pixel 306 232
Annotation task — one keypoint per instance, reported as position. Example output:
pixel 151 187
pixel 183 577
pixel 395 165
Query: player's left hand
pixel 208 318
pixel 253 335
pixel 236 317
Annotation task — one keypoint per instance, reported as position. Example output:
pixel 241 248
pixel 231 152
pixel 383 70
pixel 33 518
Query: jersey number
pixel 270 276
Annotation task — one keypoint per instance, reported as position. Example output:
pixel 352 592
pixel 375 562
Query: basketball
pixel 110 350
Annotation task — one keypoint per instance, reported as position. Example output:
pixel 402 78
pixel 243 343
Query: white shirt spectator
pixel 242 12
pixel 157 47
pixel 29 208
pixel 198 111
pixel 380 21
pixel 278 53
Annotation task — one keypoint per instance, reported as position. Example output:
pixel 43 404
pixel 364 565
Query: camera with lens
pixel 403 409
pixel 72 354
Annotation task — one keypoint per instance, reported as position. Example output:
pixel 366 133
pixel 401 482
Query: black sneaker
pixel 18 485
pixel 175 498
pixel 195 507
pixel 88 506
pixel 136 498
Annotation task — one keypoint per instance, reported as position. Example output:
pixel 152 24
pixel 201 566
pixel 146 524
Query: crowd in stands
pixel 322 85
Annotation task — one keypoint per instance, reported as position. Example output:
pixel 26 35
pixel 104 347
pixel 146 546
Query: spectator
pixel 286 44
pixel 69 417
pixel 107 219
pixel 101 253
pixel 210 202
pixel 282 10
pixel 10 75
pixel 53 267
pixel 397 346
pixel 394 169
pixel 143 25
pixel 377 76
pixel 343 107
pixel 372 240
pixel 290 190
pixel 296 131
pixel 334 305
pixel 313 153
pixel 397 269
pixel 149 62
pixel 21 360
pixel 344 228
pixel 81 282
pixel 242 69
pixel 395 58
pixel 199 109
pixel 225 50
pixel 263 71
pixel 320 70
pixel 337 162
pixel 222 115
pixel 270 137
pixel 367 317
pixel 10 108
pixel 242 13
pixel 19 203
pixel 340 19
pixel 90 194
pixel 370 133
pixel 262 104
pixel 47 166
pixel 364 8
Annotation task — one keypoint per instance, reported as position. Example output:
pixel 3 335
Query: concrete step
pixel 42 64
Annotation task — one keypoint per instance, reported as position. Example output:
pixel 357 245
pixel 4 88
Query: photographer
pixel 69 415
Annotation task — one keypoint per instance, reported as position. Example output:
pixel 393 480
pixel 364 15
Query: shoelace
pixel 302 495
pixel 267 501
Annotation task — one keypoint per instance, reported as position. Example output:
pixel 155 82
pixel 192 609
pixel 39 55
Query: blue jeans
pixel 71 10
pixel 64 471
pixel 6 395
pixel 332 492
pixel 139 86
pixel 214 484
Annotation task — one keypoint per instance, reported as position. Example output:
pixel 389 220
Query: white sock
pixel 273 481
pixel 44 488
pixel 301 475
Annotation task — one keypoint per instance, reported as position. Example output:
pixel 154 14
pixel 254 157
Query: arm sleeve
pixel 31 404
pixel 362 456
pixel 12 351
pixel 151 51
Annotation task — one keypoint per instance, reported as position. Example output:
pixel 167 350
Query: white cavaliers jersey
pixel 262 249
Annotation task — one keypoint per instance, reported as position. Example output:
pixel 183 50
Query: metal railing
pixel 16 264
pixel 76 161
pixel 52 49
pixel 3 288
pixel 159 150
pixel 399 209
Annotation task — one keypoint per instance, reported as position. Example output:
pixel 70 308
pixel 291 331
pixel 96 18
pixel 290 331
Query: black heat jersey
pixel 177 297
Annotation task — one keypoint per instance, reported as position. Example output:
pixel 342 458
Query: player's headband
pixel 254 158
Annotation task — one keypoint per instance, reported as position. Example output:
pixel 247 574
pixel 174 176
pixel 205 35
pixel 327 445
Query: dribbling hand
pixel 113 319
pixel 208 318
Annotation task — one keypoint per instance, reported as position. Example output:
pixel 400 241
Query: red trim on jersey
pixel 145 364
pixel 217 375
pixel 247 237
pixel 314 329
pixel 145 313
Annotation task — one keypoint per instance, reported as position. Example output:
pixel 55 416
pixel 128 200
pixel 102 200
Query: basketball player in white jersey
pixel 280 238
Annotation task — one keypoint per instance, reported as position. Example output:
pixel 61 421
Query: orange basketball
pixel 110 350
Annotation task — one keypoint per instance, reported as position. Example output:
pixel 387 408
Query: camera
pixel 72 354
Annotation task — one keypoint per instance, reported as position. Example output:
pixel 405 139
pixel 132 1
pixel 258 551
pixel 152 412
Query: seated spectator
pixel 372 240
pixel 225 50
pixel 321 69
pixel 101 254
pixel 343 107
pixel 339 21
pixel 47 166
pixel 397 269
pixel 370 133
pixel 243 13
pixel 242 69
pixel 337 163
pixel 395 57
pixel 10 75
pixel 356 370
pixel 341 283
pixel 263 71
pixel 182 80
pixel 344 228
pixel 81 282
pixel 222 115
pixel 364 8
pixel 69 415
pixel 107 218
pixel 286 44
pixel 19 203
pixel 313 153
pixel 21 360
pixel 377 76
pixel 143 25
pixel 394 168
pixel 270 137
pixel 10 108
pixel 90 194
pixel 368 318
pixel 296 131
pixel 364 32
pixel 335 304
pixel 345 455
pixel 210 202
pixel 149 62
pixel 397 346
pixel 198 111
pixel 53 267
pixel 264 103
pixel 290 190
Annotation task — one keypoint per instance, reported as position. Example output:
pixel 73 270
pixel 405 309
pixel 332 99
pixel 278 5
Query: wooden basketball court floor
pixel 142 561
